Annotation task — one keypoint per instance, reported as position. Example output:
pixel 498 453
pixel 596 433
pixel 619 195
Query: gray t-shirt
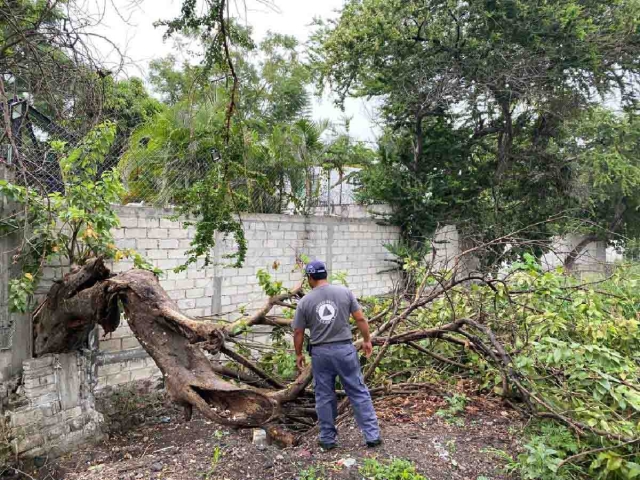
pixel 325 311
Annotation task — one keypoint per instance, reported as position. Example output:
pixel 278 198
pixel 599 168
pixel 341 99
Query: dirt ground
pixel 150 440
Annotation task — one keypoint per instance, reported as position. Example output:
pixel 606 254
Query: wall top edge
pixel 141 211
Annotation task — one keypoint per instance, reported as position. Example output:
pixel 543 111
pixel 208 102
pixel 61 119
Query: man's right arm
pixel 298 342
pixel 361 323
pixel 363 326
pixel 299 324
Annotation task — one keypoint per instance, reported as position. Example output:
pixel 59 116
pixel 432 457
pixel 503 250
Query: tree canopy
pixel 480 102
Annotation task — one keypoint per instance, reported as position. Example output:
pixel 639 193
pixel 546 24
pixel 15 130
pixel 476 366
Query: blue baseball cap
pixel 315 267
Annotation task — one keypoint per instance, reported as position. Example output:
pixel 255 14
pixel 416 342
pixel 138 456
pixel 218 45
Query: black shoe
pixel 374 443
pixel 327 446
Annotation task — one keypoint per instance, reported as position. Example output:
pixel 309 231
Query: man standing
pixel 325 312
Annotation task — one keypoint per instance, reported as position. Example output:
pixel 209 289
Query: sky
pixel 129 24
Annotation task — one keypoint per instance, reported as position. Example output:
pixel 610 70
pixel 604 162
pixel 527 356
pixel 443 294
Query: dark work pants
pixel 341 360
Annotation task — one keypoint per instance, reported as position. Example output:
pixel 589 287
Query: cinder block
pixel 170 243
pixel 127 243
pixel 118 379
pixel 204 282
pixel 144 373
pixel 21 445
pixel 135 364
pixel 178 234
pixel 135 232
pixel 156 254
pixel 36 363
pixel 111 345
pixel 150 362
pixel 121 331
pixel 186 304
pixel 244 289
pixel 129 222
pixel 195 293
pixel 229 291
pixel 178 253
pixel 239 280
pixel 104 370
pixel 25 417
pixel 167 264
pixel 149 222
pixel 166 223
pixel 196 273
pixel 178 275
pixel 157 233
pixel 148 243
pixel 204 302
pixel 129 343
pixel 186 284
pixel 176 294
pixel 119 233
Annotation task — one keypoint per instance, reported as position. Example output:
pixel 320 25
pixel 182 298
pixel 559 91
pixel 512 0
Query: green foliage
pixel 484 107
pixel 457 403
pixel 281 361
pixel 397 469
pixel 311 473
pixel 216 455
pixel 74 226
pixel 574 345
pixel 269 286
pixel 339 277
pixel 191 155
pixel 547 445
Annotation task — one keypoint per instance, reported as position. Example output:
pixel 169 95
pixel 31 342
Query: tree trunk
pixel 570 261
pixel 91 295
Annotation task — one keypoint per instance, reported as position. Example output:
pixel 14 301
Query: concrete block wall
pixel 123 342
pixel 355 246
pixel 53 409
pixel 592 260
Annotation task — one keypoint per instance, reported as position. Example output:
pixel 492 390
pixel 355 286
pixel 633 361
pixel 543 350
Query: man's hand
pixel 300 362
pixel 367 348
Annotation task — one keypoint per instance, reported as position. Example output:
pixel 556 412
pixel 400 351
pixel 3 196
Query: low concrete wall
pixel 353 245
pixel 52 411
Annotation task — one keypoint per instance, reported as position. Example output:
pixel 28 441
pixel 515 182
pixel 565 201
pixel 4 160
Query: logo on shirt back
pixel 326 311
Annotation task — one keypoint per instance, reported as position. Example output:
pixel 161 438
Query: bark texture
pixel 91 295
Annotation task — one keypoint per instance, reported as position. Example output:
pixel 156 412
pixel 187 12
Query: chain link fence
pixel 159 179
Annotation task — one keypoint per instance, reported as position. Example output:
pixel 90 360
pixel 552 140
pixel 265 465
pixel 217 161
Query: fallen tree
pixel 550 346
pixel 228 395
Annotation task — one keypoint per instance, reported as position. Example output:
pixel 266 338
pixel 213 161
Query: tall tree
pixel 502 78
